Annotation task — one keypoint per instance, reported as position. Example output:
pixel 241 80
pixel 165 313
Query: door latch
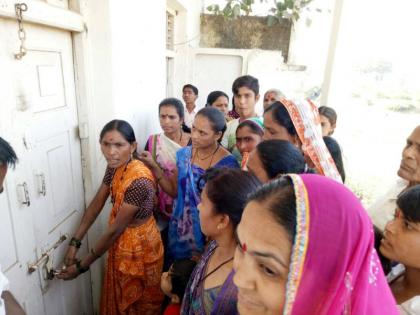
pixel 45 261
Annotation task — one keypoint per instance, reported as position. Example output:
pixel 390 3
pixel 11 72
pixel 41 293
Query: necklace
pixel 210 155
pixel 215 269
pixel 121 178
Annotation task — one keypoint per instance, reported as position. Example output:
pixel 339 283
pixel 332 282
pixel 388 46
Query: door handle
pixel 42 187
pixel 45 257
pixel 24 194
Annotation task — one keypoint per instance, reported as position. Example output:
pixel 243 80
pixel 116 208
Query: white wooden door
pixel 39 118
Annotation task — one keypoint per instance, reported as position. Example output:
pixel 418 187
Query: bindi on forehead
pixel 112 140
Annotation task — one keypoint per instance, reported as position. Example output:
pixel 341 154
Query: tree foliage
pixel 281 9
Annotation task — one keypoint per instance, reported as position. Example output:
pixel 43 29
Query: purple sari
pixel 193 302
pixel 334 268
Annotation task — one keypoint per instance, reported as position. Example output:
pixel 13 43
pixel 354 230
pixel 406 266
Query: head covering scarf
pixel 305 118
pixel 257 121
pixel 334 267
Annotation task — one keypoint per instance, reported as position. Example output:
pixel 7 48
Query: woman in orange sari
pixel 135 250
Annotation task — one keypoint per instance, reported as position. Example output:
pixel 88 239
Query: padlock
pixel 49 271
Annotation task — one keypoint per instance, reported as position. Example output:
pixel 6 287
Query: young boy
pixel 174 282
pixel 246 93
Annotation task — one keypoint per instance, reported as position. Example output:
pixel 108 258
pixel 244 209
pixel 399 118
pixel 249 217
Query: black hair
pixel 230 200
pixel 177 104
pixel 174 102
pixel 279 198
pixel 190 86
pixel 246 81
pixel 335 150
pixel 328 112
pixel 281 116
pixel 180 275
pixel 280 157
pixel 255 129
pixel 7 154
pixel 216 118
pixel 213 96
pixel 385 262
pixel 234 112
pixel 124 128
pixel 409 203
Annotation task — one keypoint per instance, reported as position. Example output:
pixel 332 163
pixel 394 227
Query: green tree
pixel 282 9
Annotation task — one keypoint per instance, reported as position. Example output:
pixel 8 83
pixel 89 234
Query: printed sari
pixel 334 277
pixel 163 151
pixel 194 302
pixel 134 266
pixel 305 118
pixel 185 237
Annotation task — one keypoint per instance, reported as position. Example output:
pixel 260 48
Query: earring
pixel 244 247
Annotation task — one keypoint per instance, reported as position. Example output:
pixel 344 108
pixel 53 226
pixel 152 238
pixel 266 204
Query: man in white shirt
pixel 383 209
pixel 189 95
pixel 8 304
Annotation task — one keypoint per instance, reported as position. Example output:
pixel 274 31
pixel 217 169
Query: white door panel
pixel 41 107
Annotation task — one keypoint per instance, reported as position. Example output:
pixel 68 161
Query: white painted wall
pixel 126 63
pixel 310 39
pixel 187 37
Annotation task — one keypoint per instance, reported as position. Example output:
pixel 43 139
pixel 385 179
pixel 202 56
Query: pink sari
pixel 334 267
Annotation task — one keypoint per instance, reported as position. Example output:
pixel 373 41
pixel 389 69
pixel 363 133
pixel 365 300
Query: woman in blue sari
pixel 185 237
pixel 211 289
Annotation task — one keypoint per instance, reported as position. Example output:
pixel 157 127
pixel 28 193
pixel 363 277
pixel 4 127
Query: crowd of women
pixel 247 215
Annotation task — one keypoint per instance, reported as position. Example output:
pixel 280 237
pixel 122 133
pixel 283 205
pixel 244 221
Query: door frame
pixel 72 20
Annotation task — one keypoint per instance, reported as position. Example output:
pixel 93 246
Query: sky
pixel 382 28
